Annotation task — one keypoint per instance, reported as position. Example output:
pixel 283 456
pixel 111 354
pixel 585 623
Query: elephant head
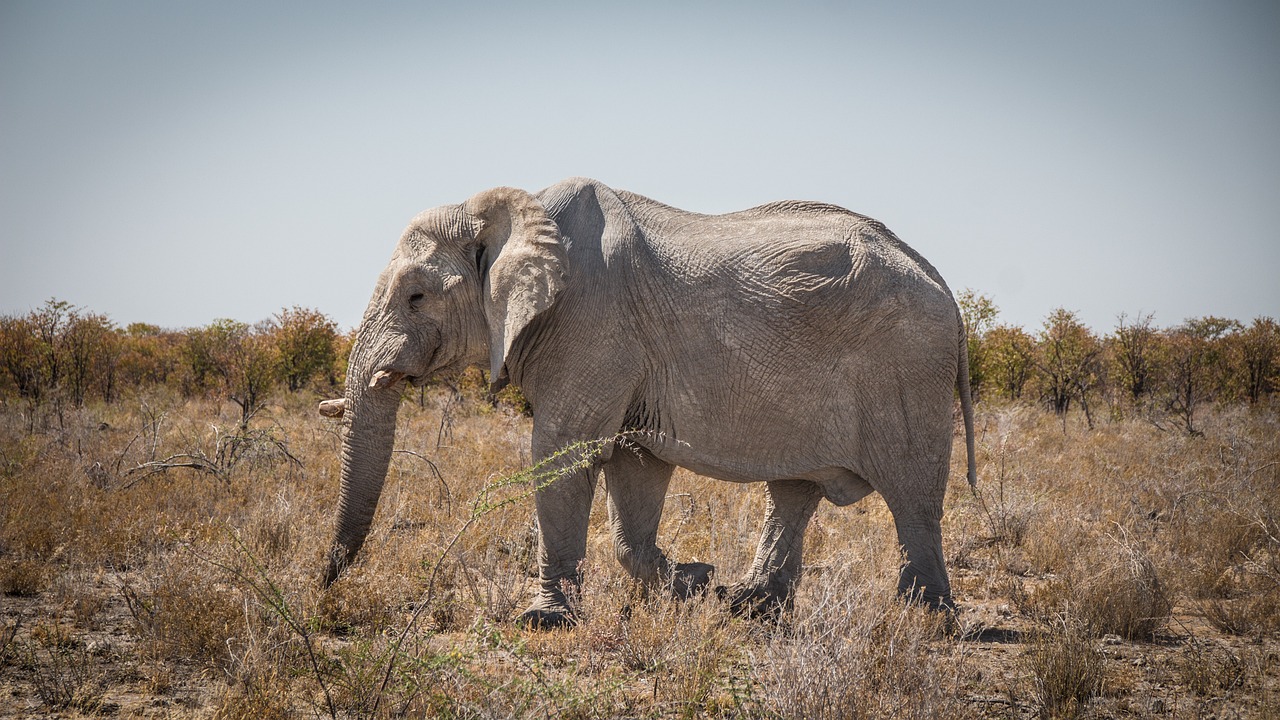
pixel 462 284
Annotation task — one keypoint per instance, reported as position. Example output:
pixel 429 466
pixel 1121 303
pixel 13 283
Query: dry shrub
pixel 1009 511
pixel 271 532
pixel 1124 597
pixel 491 566
pixel 686 648
pixel 1066 670
pixel 1121 595
pixel 357 673
pixel 495 580
pixel 1225 529
pixel 492 672
pixel 856 652
pixel 183 610
pixel 62 670
pixel 1213 542
pixel 1201 510
pixel 23 578
pixel 1055 542
pixel 359 602
pixel 8 634
pixel 268 665
pixel 77 592
pixel 1252 614
pixel 262 694
pixel 1209 668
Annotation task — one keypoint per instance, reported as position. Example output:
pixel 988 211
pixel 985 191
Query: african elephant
pixel 796 344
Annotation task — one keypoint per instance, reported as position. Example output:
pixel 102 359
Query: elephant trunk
pixel 369 433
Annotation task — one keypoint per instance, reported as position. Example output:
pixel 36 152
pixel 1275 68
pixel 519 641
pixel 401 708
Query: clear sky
pixel 178 162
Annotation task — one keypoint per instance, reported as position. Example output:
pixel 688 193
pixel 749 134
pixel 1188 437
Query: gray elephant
pixel 796 344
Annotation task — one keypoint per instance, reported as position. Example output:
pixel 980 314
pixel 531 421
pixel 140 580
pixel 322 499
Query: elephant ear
pixel 522 262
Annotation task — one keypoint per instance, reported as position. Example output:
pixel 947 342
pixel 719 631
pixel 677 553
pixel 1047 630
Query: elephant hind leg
pixel 768 589
pixel 917 516
pixel 908 459
pixel 924 575
pixel 636 483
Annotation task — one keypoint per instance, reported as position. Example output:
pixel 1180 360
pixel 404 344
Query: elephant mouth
pixel 392 376
pixel 433 369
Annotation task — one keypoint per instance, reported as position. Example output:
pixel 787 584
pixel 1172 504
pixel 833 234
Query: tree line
pixel 1168 374
pixel 63 355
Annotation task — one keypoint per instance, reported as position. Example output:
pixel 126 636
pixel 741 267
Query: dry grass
pixel 1119 571
pixel 1066 669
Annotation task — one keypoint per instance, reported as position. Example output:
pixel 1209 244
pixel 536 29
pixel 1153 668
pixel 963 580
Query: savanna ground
pixel 158 561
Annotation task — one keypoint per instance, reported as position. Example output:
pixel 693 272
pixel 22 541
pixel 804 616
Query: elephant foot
pixel 551 608
pixel 938 602
pixel 756 602
pixel 941 606
pixel 539 619
pixel 690 580
pixel 944 604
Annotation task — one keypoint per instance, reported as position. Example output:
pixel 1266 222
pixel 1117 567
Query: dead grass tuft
pixel 23 578
pixel 1066 669
pixel 1210 668
pixel 856 651
pixel 1253 614
pixel 181 610
pixel 1124 597
pixel 62 670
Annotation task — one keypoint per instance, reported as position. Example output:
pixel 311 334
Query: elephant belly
pixel 840 486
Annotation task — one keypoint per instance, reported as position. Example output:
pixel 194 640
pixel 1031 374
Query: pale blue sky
pixel 178 162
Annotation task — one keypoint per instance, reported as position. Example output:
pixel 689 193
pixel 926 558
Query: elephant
pixel 796 344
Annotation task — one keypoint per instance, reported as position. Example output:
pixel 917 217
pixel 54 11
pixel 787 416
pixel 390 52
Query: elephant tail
pixel 966 404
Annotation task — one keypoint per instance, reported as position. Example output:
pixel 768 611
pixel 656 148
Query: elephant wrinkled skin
pixel 796 344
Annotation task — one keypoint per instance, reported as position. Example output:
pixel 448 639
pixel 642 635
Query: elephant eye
pixel 415 298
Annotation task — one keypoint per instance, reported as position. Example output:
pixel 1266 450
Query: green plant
pixel 1196 369
pixel 304 343
pixel 1068 359
pixel 980 314
pixel 1134 352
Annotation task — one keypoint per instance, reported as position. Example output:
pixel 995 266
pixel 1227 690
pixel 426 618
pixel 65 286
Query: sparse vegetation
pixel 160 544
pixel 1066 669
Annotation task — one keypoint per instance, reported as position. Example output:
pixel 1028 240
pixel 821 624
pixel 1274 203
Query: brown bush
pixel 1066 669
pixel 183 611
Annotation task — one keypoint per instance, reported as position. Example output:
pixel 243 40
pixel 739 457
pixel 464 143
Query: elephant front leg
pixel 637 486
pixel 768 589
pixel 563 507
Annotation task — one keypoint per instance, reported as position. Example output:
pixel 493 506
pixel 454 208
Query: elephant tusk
pixel 385 378
pixel 333 408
